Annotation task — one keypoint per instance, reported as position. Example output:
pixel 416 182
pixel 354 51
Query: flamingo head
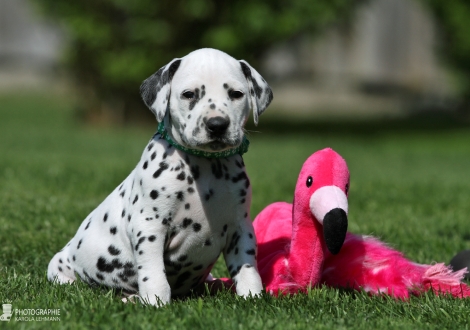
pixel 321 193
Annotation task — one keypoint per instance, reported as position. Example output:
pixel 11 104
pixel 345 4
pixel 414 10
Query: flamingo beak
pixel 329 205
pixel 335 226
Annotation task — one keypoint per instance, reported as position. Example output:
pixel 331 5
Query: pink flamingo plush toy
pixel 306 243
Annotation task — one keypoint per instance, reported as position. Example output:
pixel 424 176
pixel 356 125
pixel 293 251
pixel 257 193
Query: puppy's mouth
pixel 218 144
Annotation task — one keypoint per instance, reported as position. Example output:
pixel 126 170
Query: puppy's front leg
pixel 148 251
pixel 240 258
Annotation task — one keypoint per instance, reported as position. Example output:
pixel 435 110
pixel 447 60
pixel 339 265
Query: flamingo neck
pixel 306 254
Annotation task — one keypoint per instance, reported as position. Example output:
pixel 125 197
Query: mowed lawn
pixel 410 187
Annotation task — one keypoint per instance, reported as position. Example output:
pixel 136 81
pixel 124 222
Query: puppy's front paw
pixel 248 282
pixel 156 297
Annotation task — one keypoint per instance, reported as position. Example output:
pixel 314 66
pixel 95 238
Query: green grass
pixel 410 187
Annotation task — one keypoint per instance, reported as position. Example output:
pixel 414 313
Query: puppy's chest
pixel 196 202
pixel 173 184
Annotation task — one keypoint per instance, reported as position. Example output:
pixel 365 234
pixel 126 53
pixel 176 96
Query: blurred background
pixel 336 59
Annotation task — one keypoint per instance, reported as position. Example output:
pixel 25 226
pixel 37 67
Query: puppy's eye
pixel 309 182
pixel 235 94
pixel 188 95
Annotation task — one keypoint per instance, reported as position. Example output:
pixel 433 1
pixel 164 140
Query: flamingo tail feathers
pixel 365 263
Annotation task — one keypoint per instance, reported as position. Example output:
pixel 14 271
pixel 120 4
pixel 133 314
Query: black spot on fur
pixel 181 176
pixel 180 195
pixel 79 243
pixel 197 227
pixel 152 238
pixel 240 176
pixel 187 206
pixel 136 198
pixel 154 154
pixel 113 230
pixel 250 252
pixel 149 147
pixel 154 194
pixel 217 169
pixel 100 276
pixel 105 217
pixel 145 165
pixel 145 279
pixel 106 267
pixel 195 171
pixel 123 214
pixel 233 242
pixel 207 243
pixel 140 241
pixel 190 190
pixel 225 86
pixel 190 179
pixel 163 166
pixel 88 225
pixel 113 250
pixel 186 222
pixel 182 257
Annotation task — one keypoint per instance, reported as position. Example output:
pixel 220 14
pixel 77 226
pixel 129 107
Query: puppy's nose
pixel 217 125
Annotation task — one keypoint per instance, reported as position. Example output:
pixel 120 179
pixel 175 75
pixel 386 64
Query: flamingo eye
pixel 309 181
pixel 347 188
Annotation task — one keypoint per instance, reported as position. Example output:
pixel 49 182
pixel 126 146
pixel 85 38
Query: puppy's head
pixel 205 98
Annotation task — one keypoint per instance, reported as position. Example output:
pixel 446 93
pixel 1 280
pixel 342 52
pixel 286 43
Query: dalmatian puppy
pixel 159 233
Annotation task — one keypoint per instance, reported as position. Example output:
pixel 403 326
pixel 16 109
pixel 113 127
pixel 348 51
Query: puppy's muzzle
pixel 217 126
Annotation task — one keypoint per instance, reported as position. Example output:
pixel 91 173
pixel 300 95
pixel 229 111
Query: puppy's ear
pixel 155 90
pixel 260 92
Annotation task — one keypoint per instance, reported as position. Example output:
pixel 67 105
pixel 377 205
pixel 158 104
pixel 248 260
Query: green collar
pixel 240 150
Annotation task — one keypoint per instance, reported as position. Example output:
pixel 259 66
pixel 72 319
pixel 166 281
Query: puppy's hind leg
pixel 60 269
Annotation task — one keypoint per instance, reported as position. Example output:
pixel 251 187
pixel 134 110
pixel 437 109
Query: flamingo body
pixel 305 244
